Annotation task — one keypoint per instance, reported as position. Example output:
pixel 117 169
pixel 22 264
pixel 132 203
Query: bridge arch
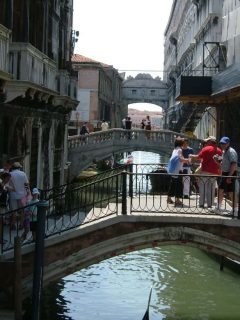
pixel 84 246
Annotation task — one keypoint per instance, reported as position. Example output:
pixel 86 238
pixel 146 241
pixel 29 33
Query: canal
pixel 187 284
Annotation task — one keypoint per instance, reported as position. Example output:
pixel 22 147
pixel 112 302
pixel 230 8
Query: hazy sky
pixel 128 34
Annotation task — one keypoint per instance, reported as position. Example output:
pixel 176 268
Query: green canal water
pixel 187 284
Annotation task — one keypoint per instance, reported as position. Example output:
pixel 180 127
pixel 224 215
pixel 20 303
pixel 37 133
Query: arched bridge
pixel 145 88
pixel 99 145
pixel 113 215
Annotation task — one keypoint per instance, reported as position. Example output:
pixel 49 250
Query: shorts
pixel 227 187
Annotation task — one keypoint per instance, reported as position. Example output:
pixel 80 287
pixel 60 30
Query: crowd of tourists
pixel 15 194
pixel 215 174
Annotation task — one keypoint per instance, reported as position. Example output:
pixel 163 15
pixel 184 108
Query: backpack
pixel 173 164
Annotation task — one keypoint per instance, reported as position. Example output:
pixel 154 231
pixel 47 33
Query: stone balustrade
pixel 83 150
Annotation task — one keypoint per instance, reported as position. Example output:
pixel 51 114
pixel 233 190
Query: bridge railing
pixel 140 189
pixel 117 134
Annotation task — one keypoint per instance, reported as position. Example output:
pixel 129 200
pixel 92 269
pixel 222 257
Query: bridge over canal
pixel 83 150
pixel 111 215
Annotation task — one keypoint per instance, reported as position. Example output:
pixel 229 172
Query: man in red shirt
pixel 209 166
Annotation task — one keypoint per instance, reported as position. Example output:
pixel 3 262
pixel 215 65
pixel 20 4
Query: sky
pixel 128 34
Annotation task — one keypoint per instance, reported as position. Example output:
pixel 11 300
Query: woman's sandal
pixel 170 201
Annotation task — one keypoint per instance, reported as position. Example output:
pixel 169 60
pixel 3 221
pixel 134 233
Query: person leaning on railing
pixel 209 169
pixel 176 182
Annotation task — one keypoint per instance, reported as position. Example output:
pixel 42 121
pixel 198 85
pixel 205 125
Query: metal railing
pixel 139 189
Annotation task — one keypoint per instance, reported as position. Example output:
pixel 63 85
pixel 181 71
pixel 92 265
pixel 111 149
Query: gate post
pixel 131 180
pixel 124 192
pixel 38 259
pixel 17 278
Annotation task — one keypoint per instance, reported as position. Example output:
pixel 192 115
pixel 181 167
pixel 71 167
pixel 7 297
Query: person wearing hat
pixel 229 170
pixel 209 167
pixel 20 184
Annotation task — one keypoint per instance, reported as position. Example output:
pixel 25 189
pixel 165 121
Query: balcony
pixel 36 74
pixel 29 64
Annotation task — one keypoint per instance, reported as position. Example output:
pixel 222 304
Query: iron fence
pixel 139 189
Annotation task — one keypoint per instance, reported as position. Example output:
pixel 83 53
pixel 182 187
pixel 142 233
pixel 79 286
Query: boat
pixel 146 315
pixel 126 161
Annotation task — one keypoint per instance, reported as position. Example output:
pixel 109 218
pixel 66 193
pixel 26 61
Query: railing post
pixel 124 192
pixel 131 180
pixel 17 278
pixel 38 259
pixel 117 190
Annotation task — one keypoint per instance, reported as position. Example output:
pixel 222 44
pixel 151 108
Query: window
pixel 134 92
pixel 152 92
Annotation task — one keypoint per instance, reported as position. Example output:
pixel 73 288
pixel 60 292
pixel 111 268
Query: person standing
pixel 128 126
pixel 209 168
pixel 227 183
pixel 30 215
pixel 176 183
pixel 148 123
pixel 4 201
pixel 124 123
pixel 143 123
pixel 186 151
pixel 104 125
pixel 18 196
pixel 84 129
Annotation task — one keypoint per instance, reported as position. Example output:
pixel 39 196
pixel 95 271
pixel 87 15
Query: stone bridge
pixel 85 245
pixel 110 216
pixel 83 150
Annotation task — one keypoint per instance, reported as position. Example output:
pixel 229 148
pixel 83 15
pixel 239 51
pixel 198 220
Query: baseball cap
pixel 224 140
pixel 210 138
pixel 35 191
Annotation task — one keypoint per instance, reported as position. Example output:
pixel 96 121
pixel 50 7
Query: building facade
pixel 99 94
pixel 202 63
pixel 37 87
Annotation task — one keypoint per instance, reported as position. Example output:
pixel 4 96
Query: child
pixel 30 215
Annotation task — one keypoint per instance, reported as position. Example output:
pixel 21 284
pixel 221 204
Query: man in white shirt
pixel 104 125
pixel 20 184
